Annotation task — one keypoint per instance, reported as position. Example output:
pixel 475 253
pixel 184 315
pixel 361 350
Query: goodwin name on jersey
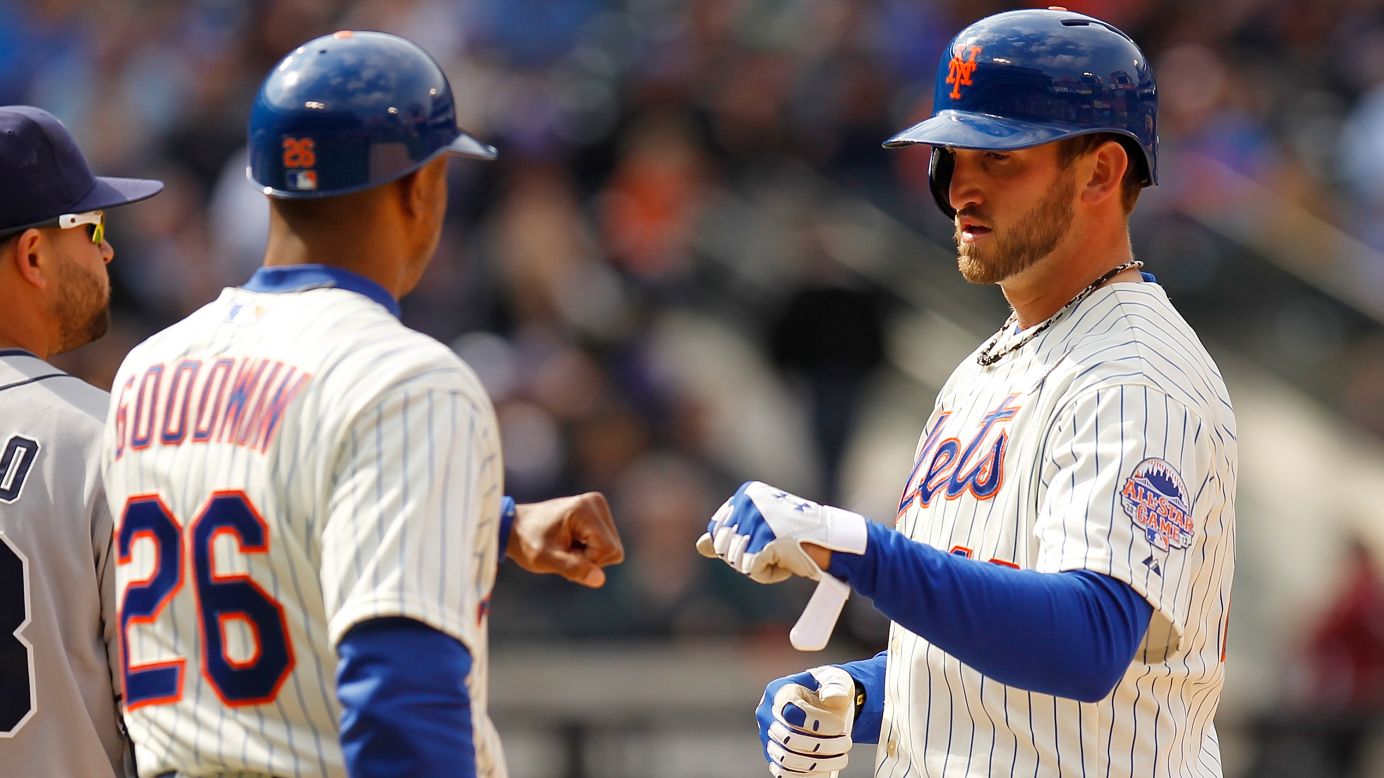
pixel 234 400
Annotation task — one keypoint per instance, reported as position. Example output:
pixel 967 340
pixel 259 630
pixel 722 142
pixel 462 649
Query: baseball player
pixel 1058 576
pixel 59 688
pixel 307 495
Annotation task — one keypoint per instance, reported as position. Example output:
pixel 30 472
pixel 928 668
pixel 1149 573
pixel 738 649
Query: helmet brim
pixel 966 130
pixel 468 145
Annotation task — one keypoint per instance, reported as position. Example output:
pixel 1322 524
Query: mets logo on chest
pixel 960 70
pixel 953 467
pixel 1156 499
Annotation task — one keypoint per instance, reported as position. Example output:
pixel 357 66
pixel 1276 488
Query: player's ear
pixel 25 255
pixel 406 189
pixel 1106 164
pixel 419 189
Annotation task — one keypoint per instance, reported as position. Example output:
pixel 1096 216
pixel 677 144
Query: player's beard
pixel 83 308
pixel 1017 248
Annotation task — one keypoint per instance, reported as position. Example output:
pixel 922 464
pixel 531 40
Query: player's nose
pixel 964 188
pixel 107 252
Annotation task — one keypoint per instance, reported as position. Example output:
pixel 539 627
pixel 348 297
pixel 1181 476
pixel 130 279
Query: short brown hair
pixel 1133 182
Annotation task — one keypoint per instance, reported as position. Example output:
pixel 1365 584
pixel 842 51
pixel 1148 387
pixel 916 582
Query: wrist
pixel 819 556
pixel 845 530
pixel 508 511
pixel 857 568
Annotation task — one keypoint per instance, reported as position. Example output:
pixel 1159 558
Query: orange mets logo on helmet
pixel 1156 498
pixel 960 70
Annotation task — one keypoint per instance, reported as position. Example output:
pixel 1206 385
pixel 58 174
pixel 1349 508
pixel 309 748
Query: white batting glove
pixel 805 723
pixel 760 531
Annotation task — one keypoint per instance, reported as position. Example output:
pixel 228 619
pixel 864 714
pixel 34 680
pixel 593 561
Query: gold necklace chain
pixel 986 358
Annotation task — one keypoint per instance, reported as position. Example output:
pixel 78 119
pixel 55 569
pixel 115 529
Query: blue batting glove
pixel 760 530
pixel 805 722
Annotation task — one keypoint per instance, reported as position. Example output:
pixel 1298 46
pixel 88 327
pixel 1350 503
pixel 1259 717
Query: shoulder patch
pixel 1156 498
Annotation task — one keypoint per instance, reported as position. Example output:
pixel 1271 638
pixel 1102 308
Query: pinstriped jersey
pixel 59 713
pixel 283 466
pixel 1106 443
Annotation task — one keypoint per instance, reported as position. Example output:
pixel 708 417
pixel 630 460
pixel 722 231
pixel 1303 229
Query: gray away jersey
pixel 1107 443
pixel 59 713
pixel 281 467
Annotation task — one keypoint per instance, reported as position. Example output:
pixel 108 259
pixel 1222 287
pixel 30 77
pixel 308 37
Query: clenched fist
pixel 573 537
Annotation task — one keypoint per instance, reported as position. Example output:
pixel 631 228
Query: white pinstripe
pixel 381 491
pixel 1119 380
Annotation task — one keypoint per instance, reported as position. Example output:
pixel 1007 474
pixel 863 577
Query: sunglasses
pixel 96 220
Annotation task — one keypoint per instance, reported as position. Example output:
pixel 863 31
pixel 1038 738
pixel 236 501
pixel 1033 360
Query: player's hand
pixel 573 537
pixel 805 722
pixel 760 531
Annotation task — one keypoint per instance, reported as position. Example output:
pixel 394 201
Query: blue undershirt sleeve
pixel 869 678
pixel 1069 634
pixel 405 709
pixel 508 510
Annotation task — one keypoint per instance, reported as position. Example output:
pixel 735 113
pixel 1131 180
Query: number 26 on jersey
pixel 219 600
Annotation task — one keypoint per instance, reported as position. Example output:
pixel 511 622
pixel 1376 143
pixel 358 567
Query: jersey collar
pixel 298 278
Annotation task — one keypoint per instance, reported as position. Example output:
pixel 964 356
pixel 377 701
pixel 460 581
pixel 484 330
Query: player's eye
pixel 996 156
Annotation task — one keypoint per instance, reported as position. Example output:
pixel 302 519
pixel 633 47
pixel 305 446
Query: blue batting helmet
pixel 349 111
pixel 1024 78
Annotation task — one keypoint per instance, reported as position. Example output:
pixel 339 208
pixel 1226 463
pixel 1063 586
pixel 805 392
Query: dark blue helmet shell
pixel 349 111
pixel 1024 78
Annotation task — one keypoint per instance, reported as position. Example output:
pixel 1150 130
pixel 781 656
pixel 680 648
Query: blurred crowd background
pixel 693 264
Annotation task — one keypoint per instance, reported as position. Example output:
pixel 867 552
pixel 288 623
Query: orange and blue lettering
pixel 145 398
pixel 225 598
pixel 145 516
pixel 954 470
pixel 215 391
pixel 183 376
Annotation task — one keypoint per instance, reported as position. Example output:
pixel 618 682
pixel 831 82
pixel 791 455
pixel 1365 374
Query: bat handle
pixel 814 627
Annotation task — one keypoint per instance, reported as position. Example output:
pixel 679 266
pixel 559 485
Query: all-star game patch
pixel 1156 498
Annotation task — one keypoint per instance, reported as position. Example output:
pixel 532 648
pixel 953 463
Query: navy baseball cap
pixel 46 176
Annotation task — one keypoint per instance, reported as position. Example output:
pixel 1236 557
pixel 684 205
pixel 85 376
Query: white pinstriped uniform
pixel 379 486
pixel 1081 417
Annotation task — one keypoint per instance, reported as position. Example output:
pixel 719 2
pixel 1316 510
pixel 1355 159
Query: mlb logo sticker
pixel 244 314
pixel 302 180
pixel 1155 497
